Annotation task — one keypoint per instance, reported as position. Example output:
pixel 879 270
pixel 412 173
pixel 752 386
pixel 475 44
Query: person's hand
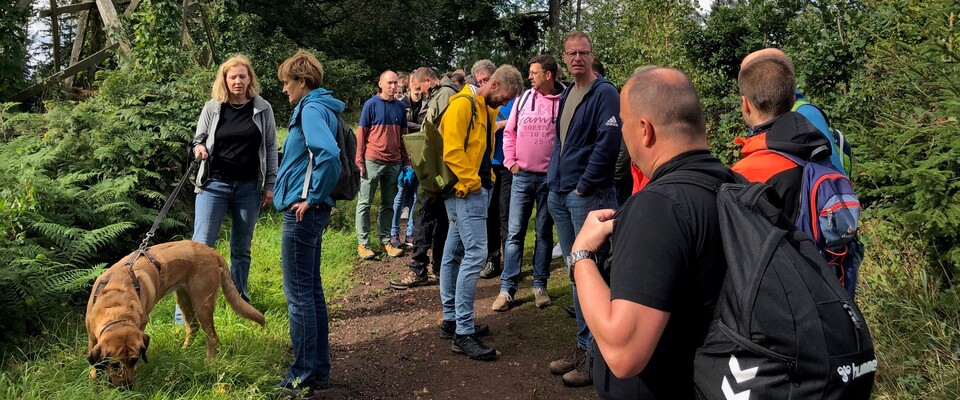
pixel 200 152
pixel 267 198
pixel 596 229
pixel 363 170
pixel 501 124
pixel 299 209
pixel 515 169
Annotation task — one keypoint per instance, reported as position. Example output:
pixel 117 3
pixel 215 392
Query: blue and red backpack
pixel 829 214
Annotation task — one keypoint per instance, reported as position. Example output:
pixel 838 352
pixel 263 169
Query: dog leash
pixel 142 250
pixel 168 204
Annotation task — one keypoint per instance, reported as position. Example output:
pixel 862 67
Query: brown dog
pixel 123 296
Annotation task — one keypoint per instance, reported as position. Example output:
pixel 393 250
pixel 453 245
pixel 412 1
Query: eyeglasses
pixel 536 72
pixel 581 53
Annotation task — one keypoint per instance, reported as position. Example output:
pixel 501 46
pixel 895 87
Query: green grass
pixel 249 362
pixel 914 321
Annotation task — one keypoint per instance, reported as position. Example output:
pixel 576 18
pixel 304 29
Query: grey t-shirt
pixel 570 106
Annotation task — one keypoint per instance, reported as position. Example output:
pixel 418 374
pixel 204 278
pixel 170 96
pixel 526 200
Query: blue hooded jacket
pixel 311 165
pixel 587 159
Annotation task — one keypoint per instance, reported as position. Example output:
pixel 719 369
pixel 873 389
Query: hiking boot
pixel 567 363
pixel 541 297
pixel 473 348
pixel 582 375
pixel 502 303
pixel 490 270
pixel 448 330
pixel 365 252
pixel 408 243
pixel 391 250
pixel 432 278
pixel 296 393
pixel 408 280
pixel 395 241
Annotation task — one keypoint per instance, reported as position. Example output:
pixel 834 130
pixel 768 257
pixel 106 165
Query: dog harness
pixel 133 277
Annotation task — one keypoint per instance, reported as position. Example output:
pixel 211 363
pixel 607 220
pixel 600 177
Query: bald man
pixel 380 156
pixel 651 310
pixel 802 106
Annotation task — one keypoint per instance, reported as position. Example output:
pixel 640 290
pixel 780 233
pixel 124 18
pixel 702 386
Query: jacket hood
pixel 325 98
pixel 789 133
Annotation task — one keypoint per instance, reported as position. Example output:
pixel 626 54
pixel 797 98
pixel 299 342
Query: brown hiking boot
pixel 567 363
pixel 391 250
pixel 408 280
pixel 365 252
pixel 541 297
pixel 582 375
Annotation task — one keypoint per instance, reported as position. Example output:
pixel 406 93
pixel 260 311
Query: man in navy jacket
pixel 581 174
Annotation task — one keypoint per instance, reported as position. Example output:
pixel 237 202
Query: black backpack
pixel 348 185
pixel 784 328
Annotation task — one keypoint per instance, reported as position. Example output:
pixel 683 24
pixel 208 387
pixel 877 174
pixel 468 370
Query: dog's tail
pixel 232 295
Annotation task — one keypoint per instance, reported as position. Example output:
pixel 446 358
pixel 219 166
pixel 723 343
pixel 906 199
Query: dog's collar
pixel 107 326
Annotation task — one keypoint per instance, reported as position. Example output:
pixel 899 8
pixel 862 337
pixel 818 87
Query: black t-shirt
pixel 236 148
pixel 668 255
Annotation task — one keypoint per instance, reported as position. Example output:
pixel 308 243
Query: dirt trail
pixel 385 343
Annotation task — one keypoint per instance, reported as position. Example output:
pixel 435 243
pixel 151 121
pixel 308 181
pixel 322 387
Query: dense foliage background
pixel 80 181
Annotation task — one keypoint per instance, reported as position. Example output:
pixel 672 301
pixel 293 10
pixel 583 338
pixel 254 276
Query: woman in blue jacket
pixel 307 175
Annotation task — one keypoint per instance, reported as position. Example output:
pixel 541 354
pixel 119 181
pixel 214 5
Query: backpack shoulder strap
pixel 749 194
pixel 802 103
pixel 473 113
pixel 520 102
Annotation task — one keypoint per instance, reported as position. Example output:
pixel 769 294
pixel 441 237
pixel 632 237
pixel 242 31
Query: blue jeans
pixel 242 199
pixel 406 197
pixel 300 252
pixel 528 188
pixel 463 257
pixel 569 211
pixel 384 176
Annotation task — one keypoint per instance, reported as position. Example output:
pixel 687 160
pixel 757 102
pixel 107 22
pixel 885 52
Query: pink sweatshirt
pixel 530 131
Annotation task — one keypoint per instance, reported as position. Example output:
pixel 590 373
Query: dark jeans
pixel 429 233
pixel 498 218
pixel 529 189
pixel 300 261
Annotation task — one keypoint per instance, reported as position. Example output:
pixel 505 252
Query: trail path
pixel 385 343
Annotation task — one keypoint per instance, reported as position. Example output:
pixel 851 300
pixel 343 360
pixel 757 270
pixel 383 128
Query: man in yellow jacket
pixel 466 247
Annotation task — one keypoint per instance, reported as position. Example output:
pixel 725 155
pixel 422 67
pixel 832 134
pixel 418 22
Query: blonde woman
pixel 236 142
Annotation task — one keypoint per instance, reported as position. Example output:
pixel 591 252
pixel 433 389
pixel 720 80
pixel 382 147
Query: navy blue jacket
pixel 587 158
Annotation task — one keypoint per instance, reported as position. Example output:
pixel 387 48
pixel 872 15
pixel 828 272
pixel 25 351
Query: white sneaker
pixel 557 253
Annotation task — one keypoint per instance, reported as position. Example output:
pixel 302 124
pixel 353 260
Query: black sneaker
pixel 473 348
pixel 448 330
pixel 490 270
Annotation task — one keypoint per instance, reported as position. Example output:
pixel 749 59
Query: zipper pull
pixel 853 315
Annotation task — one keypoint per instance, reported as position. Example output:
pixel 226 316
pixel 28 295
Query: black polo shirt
pixel 668 255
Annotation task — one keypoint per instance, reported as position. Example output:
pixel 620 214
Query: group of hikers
pixel 644 252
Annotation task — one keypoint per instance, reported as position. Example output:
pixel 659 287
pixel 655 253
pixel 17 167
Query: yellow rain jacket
pixel 465 163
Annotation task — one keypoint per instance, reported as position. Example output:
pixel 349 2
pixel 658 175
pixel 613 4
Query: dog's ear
pixel 146 345
pixel 93 356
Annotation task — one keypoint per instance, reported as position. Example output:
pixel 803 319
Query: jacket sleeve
pixel 603 160
pixel 203 125
pixel 322 143
pixel 456 121
pixel 271 137
pixel 510 138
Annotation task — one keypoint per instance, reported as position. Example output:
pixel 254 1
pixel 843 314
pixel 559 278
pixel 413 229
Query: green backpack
pixel 426 152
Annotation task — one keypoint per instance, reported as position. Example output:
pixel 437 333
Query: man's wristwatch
pixel 578 255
